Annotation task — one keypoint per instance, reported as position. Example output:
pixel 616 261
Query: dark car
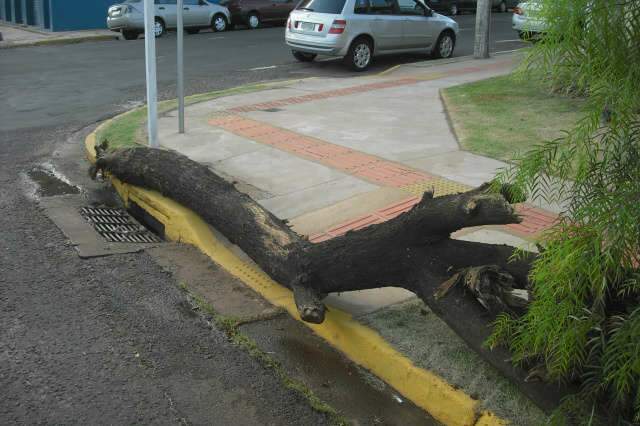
pixel 454 7
pixel 254 13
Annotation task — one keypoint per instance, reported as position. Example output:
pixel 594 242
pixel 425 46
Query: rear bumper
pixel 330 45
pixel 523 24
pixel 124 23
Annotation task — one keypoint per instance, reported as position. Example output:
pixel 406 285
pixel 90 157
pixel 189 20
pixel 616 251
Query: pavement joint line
pixel 359 343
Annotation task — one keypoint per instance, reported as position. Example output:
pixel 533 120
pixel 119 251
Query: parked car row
pixel 455 7
pixel 128 17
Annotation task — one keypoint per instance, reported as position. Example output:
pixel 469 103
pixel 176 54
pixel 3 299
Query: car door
pixel 195 13
pixel 415 25
pixel 386 24
pixel 166 9
pixel 267 9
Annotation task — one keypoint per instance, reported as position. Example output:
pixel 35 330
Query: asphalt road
pixel 110 340
pixel 86 82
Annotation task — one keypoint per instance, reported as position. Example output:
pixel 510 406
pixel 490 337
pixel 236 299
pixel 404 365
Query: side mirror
pixel 428 12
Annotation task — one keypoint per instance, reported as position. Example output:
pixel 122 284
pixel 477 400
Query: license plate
pixel 307 26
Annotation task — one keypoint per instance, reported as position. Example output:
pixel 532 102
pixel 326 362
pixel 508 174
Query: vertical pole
pixel 483 28
pixel 180 88
pixel 150 62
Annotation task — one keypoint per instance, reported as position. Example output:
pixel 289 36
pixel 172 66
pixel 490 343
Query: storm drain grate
pixel 117 226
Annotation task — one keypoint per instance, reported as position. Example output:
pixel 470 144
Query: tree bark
pixel 413 250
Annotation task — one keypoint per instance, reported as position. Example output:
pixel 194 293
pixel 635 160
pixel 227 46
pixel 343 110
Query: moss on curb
pixel 229 325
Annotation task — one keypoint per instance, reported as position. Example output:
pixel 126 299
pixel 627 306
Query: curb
pixel 357 342
pixel 58 41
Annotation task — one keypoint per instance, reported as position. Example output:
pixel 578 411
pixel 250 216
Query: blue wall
pixel 68 15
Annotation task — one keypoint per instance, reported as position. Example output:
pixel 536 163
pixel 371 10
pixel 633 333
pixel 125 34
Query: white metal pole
pixel 180 88
pixel 150 62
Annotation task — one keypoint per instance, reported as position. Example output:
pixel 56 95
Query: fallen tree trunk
pixel 413 250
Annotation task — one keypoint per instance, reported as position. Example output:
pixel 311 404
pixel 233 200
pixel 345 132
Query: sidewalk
pixel 14 36
pixel 333 155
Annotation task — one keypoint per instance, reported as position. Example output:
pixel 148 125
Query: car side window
pixel 191 2
pixel 173 2
pixel 361 7
pixel 382 7
pixel 409 7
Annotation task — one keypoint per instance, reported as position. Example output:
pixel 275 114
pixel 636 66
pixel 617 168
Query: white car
pixel 128 17
pixel 526 20
pixel 359 29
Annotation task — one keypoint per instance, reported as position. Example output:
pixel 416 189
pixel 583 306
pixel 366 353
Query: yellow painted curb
pixel 361 344
pixel 489 419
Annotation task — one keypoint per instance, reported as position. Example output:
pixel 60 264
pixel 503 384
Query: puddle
pixel 50 183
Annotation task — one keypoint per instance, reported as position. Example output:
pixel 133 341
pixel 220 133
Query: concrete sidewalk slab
pixel 14 36
pixel 361 122
pixel 322 219
pixel 460 166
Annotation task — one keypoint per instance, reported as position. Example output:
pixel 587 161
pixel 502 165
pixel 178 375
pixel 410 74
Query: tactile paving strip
pixel 439 187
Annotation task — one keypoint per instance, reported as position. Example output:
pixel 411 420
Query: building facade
pixel 56 15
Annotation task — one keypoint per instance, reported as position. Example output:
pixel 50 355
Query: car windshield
pixel 322 6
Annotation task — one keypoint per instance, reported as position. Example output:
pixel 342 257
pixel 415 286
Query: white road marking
pixel 263 68
pixel 216 38
pixel 509 41
pixel 507 51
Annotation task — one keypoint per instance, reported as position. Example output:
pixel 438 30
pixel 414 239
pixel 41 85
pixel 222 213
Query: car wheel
pixel 159 28
pixel 359 55
pixel 192 30
pixel 444 46
pixel 453 9
pixel 253 21
pixel 129 34
pixel 303 56
pixel 219 23
pixel 503 7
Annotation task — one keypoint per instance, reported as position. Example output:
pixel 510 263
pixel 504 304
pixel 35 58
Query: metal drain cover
pixel 115 225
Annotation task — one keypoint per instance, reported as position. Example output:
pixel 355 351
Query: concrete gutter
pixel 359 343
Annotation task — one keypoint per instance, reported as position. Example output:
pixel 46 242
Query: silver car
pixel 360 29
pixel 128 17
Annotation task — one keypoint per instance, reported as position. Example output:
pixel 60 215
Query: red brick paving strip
pixel 325 95
pixel 364 166
pixel 534 220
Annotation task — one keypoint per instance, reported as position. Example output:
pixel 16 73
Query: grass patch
pixel 127 130
pixel 229 325
pixel 503 117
